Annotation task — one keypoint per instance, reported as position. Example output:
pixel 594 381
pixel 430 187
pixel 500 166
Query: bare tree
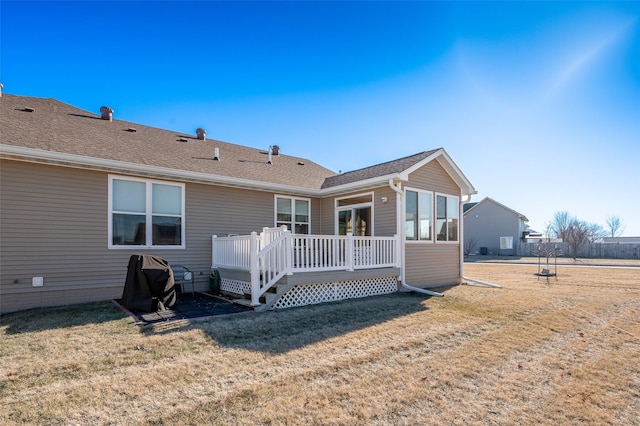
pixel 469 245
pixel 595 233
pixel 560 224
pixel 615 226
pixel 576 235
pixel 575 232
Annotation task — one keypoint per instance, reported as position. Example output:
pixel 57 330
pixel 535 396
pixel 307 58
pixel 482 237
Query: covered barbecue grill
pixel 149 286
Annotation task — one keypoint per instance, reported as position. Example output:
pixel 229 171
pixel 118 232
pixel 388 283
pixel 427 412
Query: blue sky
pixel 537 102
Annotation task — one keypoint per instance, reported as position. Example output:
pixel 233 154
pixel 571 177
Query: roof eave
pixel 114 166
pixel 93 163
pixel 358 185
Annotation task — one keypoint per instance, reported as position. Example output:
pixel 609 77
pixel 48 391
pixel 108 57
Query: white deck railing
pixel 313 253
pixel 276 252
pixel 233 252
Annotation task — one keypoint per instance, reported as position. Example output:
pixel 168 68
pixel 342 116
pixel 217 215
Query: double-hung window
pixel 419 215
pixel 294 213
pixel 145 213
pixel 447 218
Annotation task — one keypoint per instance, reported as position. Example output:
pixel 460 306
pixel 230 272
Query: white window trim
pixel 435 217
pixel 338 209
pixel 148 213
pixel 433 220
pixel 506 243
pixel 293 215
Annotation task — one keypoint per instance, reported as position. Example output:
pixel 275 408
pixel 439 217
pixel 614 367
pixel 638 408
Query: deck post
pixel 396 255
pixel 264 238
pixel 289 252
pixel 213 243
pixel 350 251
pixel 255 273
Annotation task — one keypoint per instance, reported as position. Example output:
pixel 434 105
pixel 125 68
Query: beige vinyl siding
pixel 54 225
pixel 433 177
pixel 34 299
pixel 431 263
pixel 317 216
pixel 328 208
pixel 385 212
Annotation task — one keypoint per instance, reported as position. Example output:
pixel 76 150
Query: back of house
pixel 81 193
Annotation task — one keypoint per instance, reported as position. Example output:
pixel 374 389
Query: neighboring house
pixel 80 193
pixel 492 228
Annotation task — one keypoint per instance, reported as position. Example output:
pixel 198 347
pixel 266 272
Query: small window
pixel 145 213
pixel 447 218
pixel 294 213
pixel 355 200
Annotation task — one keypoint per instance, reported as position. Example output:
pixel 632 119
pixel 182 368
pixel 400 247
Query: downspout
pixel 461 236
pixel 481 282
pixel 401 233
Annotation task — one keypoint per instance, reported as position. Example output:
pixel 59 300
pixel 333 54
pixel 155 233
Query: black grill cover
pixel 149 286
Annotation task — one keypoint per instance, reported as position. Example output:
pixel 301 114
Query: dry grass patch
pixel 531 352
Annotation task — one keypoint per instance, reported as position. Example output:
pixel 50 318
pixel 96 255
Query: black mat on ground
pixel 189 306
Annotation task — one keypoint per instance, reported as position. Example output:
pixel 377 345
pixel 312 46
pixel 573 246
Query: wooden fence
pixel 594 250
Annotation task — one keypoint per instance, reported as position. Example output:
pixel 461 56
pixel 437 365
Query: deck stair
pixel 267 300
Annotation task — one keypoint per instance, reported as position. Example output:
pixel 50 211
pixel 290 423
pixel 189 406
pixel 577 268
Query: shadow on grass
pixel 271 332
pixel 40 319
pixel 285 330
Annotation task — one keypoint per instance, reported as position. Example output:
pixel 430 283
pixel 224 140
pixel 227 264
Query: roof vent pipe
pixel 216 154
pixel 106 113
pixel 269 161
pixel 1 86
pixel 201 133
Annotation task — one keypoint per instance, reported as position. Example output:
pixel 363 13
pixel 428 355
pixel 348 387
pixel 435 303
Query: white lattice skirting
pixel 235 286
pixel 311 294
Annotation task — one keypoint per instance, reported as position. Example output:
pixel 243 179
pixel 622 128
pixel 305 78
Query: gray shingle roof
pixel 383 169
pixel 56 126
pixel 467 206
